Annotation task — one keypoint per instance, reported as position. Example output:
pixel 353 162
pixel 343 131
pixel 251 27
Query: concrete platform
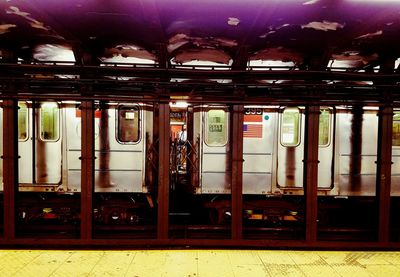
pixel 195 263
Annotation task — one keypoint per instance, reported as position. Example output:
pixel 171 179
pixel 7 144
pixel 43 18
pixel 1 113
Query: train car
pixel 49 146
pixel 273 153
pixel 49 143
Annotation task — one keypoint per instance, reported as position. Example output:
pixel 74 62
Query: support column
pixel 311 170
pixel 10 165
pixel 163 171
pixel 87 166
pixel 237 170
pixel 384 170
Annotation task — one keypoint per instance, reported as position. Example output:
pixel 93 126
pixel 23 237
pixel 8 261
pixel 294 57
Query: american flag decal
pixel 252 130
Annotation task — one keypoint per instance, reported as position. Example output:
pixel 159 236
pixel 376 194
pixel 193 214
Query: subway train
pixel 49 145
pixel 273 153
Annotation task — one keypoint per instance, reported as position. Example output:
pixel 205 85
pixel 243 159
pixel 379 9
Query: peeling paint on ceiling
pixel 233 21
pixel 370 35
pixel 129 51
pixel 5 28
pixel 33 22
pixel 273 30
pixel 311 2
pixel 211 55
pixel 352 59
pixel 323 26
pixel 131 60
pixel 204 30
pixel 278 54
pixel 179 40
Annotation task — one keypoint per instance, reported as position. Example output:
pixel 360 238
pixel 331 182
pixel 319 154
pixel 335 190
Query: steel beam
pixel 163 170
pixel 90 71
pixel 10 165
pixel 87 169
pixel 237 170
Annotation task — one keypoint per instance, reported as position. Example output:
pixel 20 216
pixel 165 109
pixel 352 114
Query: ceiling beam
pixel 156 72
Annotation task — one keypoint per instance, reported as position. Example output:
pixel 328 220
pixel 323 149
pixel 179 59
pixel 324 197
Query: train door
pixel 119 148
pixel 214 150
pixel 258 149
pixel 39 144
pixel 291 149
pixel 325 149
pixel 1 148
pixel 395 188
pixel 357 152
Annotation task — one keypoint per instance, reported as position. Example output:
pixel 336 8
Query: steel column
pixel 163 170
pixel 311 170
pixel 237 170
pixel 384 169
pixel 87 169
pixel 10 165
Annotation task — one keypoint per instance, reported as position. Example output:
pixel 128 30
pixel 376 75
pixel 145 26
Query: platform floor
pixel 197 263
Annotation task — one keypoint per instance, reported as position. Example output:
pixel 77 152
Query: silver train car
pixel 49 146
pixel 273 143
pixel 49 143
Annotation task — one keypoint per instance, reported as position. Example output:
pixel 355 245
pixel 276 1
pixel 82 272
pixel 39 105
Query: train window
pixel 324 127
pixel 396 129
pixel 290 127
pixel 128 124
pixel 22 121
pixel 216 127
pixel 49 121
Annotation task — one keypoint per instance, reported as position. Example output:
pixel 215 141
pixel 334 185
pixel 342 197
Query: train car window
pixel 49 121
pixel 396 129
pixel 324 127
pixel 22 121
pixel 290 127
pixel 216 128
pixel 128 124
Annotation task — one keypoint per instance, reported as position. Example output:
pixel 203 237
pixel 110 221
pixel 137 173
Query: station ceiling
pixel 355 34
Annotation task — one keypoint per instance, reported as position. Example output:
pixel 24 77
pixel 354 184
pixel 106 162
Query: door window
pixel 128 124
pixel 216 127
pixel 22 121
pixel 49 121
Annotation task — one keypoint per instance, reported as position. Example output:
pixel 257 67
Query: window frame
pixel 58 123
pixel 394 113
pixel 27 117
pixel 298 129
pixel 329 127
pixel 206 127
pixel 139 125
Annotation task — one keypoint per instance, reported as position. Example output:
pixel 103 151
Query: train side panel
pixel 1 149
pixel 326 152
pixel 290 149
pixel 212 127
pixel 395 187
pixel 259 132
pixel 73 147
pixel 357 131
pixel 40 139
pixel 120 154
